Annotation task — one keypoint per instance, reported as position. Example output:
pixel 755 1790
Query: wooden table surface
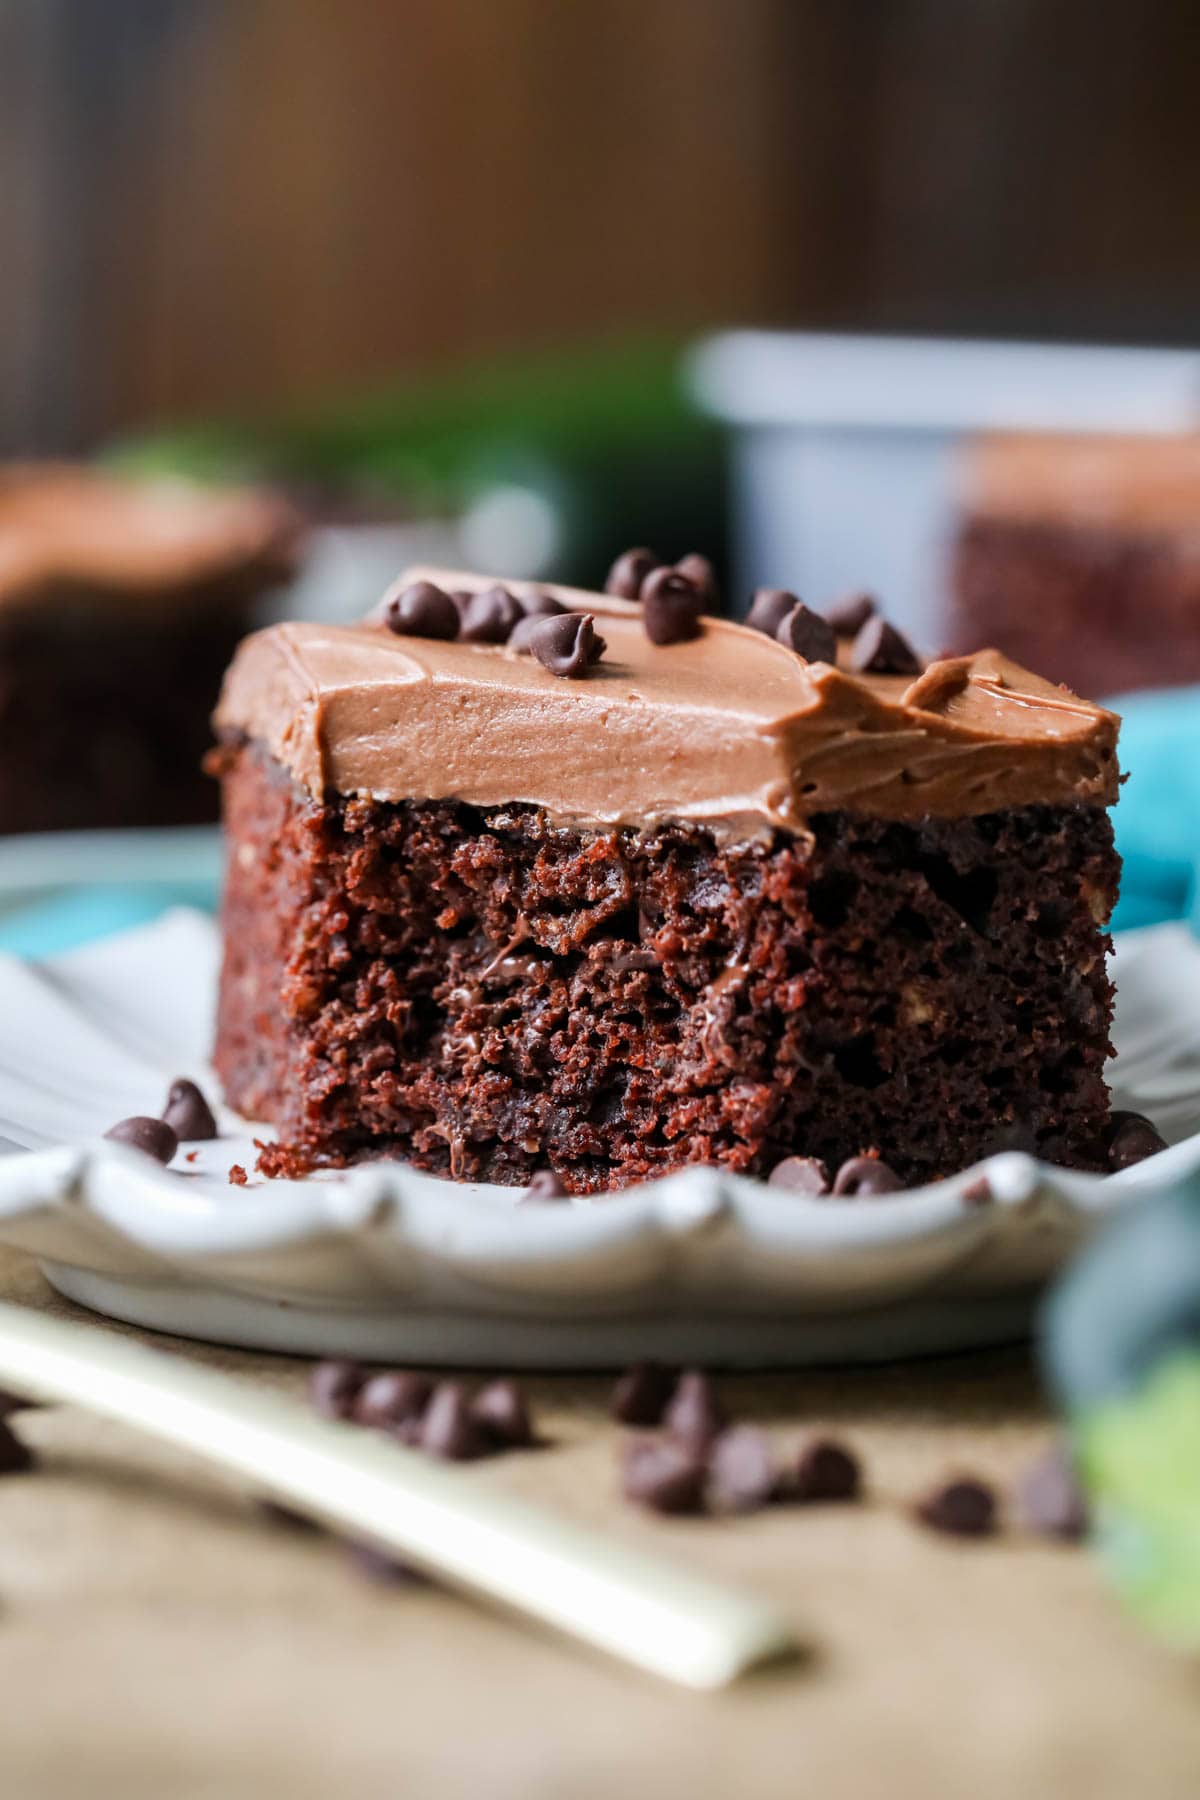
pixel 158 1640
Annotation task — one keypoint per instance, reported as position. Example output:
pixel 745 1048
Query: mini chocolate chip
pixel 188 1113
pixel 666 1476
pixel 447 1429
pixel 153 1137
pixel 741 1470
pixel 848 616
pixel 521 636
pixel 1050 1499
pixel 824 1470
pixel 701 574
pixel 1131 1138
pixel 693 1415
pixel 387 1399
pixel 15 1457
pixel 642 1394
pixel 671 607
pixel 384 1569
pixel 334 1387
pixel 489 617
pixel 800 1175
pixel 964 1508
pixel 542 606
pixel 806 632
pixel 501 1412
pixel 769 608
pixel 422 610
pixel 567 645
pixel 627 574
pixel 544 1185
pixel 879 649
pixel 864 1176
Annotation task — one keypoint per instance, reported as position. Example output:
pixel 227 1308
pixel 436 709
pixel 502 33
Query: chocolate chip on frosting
pixel 627 574
pixel 188 1113
pixel 807 633
pixel 520 638
pixel 153 1137
pixel 800 1175
pixel 701 574
pixel 568 645
pixel 879 649
pixel 489 617
pixel 848 616
pixel 1130 1139
pixel 671 607
pixel 866 1176
pixel 422 610
pixel 541 606
pixel 769 608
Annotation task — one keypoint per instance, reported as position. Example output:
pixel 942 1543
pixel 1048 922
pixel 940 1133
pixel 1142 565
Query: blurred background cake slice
pixel 1080 555
pixel 120 603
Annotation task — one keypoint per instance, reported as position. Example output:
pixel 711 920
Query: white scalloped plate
pixel 389 1264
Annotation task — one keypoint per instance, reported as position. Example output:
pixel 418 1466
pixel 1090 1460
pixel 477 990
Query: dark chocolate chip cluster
pixel 673 596
pixel 444 1418
pixel 703 1462
pixel 877 647
pixel 563 642
pixel 186 1118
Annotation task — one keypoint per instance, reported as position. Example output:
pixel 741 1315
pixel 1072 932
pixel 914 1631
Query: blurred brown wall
pixel 216 204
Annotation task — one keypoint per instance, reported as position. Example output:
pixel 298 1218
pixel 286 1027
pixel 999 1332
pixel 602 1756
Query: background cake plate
pixel 386 1263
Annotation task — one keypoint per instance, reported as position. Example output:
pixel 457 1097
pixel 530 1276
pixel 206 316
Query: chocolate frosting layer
pixel 65 526
pixel 729 729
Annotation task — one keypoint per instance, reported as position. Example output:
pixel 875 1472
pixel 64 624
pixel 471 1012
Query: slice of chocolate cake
pixel 121 603
pixel 1081 555
pixel 631 888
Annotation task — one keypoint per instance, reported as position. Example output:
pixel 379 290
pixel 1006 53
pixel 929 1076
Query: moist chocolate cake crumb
pixel 916 988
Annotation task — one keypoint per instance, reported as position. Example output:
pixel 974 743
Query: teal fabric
pixel 1157 820
pixel 73 916
pixel 1158 814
